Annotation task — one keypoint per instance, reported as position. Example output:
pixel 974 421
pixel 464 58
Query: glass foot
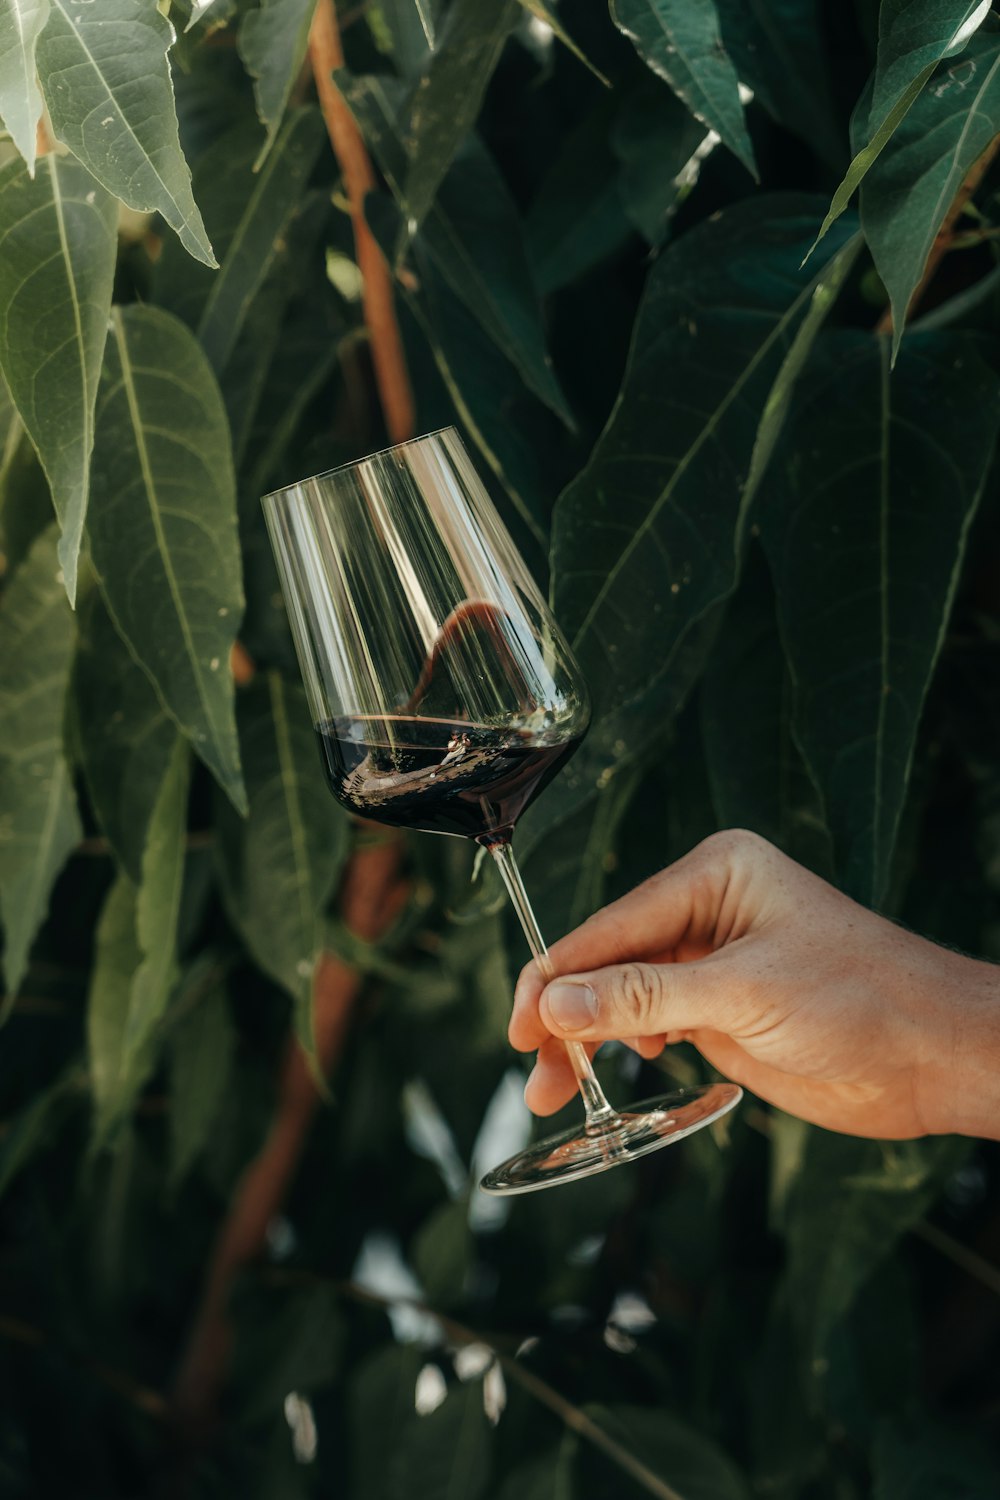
pixel 633 1132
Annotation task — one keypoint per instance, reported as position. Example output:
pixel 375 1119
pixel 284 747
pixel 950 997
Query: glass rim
pixel 354 463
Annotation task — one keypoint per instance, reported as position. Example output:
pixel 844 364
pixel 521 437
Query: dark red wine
pixel 438 775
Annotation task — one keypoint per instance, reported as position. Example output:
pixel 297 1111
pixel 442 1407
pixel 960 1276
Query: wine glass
pixel 445 699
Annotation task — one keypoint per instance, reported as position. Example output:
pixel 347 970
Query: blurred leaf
pixel 545 1478
pixel 158 904
pixel 404 30
pixel 31 1130
pixel 21 23
pixel 279 865
pixel 778 49
pixel 647 539
pixel 681 43
pixel 106 81
pixel 441 1253
pixel 865 579
pixel 288 1338
pixel 39 825
pixel 849 1204
pixel 250 251
pixel 691 1464
pixel 930 1461
pixel 914 35
pixel 447 98
pixel 163 527
pixel 201 1046
pixel 272 43
pixel 472 235
pixel 758 777
pixel 136 962
pixel 910 189
pixel 57 256
pixel 116 959
pixel 655 139
pixel 124 735
pixel 577 216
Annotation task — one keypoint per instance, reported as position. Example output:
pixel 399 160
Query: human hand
pixel 786 986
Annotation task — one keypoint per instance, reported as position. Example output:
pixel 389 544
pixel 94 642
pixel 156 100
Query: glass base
pixel 632 1133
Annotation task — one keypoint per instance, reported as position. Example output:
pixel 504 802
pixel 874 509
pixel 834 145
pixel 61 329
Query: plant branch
pixel 945 237
pixel 458 1333
pixel 326 55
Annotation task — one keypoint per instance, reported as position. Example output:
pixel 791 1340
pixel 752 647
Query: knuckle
pixel 736 846
pixel 641 990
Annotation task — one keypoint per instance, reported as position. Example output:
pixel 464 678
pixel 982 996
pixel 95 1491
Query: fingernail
pixel 571 1006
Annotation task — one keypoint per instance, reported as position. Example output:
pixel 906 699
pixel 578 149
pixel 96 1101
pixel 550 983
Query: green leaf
pixel 136 964
pixel 36 1124
pixel 473 236
pixel 545 1478
pixel 911 187
pixel 864 577
pixel 446 99
pixel 162 527
pixel 914 35
pixel 106 81
pixel 272 43
pixel 848 1207
pixel 547 15
pixel 124 735
pixel 58 244
pixel 655 138
pixel 286 1339
pixel 778 49
pixel 689 1463
pixel 404 31
pixel 25 498
pixel 21 23
pixel 259 236
pixel 442 1253
pixel 39 825
pixel 158 905
pixel 280 864
pixel 647 539
pixel 758 777
pixel 201 1055
pixel 680 42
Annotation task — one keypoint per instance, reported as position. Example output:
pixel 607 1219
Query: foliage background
pixel 777 557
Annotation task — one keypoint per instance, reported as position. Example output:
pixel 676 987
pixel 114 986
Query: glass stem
pixel 600 1114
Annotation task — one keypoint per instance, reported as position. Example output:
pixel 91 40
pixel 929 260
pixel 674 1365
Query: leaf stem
pixel 326 55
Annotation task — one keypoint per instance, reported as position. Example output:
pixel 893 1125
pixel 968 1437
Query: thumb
pixel 630 1000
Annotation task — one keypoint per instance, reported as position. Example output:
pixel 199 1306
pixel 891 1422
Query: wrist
pixel 957 1074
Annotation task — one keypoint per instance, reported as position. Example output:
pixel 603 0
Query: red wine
pixel 438 775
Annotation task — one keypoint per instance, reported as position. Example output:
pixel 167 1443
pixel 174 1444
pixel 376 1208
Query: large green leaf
pixel 136 965
pixel 656 140
pixel 647 539
pixel 472 234
pixel 778 49
pixel 928 1461
pixel 849 1205
pixel 259 237
pixel 58 245
pixel 106 81
pixel 865 524
pixel 914 35
pixel 280 864
pixel 38 1121
pixel 272 43
pixel 123 733
pixel 446 99
pixel 757 774
pixel 38 818
pixel 909 190
pixel 201 1055
pixel 163 526
pixel 21 23
pixel 679 40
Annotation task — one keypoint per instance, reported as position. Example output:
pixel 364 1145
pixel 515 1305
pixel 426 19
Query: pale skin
pixel 786 986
